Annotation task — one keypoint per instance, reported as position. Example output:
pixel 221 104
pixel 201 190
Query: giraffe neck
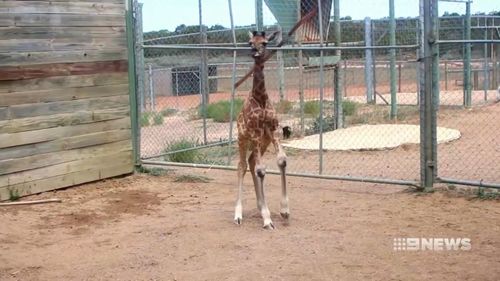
pixel 259 84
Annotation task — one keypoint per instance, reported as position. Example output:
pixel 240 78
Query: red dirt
pixel 152 228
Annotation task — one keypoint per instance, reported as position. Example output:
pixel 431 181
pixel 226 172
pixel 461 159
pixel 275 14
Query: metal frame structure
pixel 428 58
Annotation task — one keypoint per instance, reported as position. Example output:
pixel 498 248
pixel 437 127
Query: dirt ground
pixel 143 227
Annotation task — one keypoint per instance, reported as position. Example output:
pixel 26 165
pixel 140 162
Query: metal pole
pixel 339 115
pixel 446 75
pixel 321 87
pixel 368 61
pixel 486 82
pixel 259 18
pixel 203 72
pixel 435 57
pixel 139 70
pixel 151 89
pixel 301 75
pixel 275 172
pixel 467 59
pixel 139 54
pixel 281 74
pixel 129 21
pixel 427 113
pixel 233 82
pixel 392 54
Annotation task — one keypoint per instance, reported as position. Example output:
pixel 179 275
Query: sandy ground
pixel 152 228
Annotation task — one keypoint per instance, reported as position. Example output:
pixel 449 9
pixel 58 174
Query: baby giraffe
pixel 257 123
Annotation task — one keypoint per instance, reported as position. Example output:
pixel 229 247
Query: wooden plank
pixel 6 21
pixel 36 136
pixel 68 7
pixel 61 120
pixel 68 143
pixel 70 179
pixel 48 159
pixel 65 168
pixel 61 69
pixel 56 32
pixel 41 109
pixel 62 44
pixel 64 20
pixel 63 82
pixel 30 58
pixel 4 113
pixel 47 96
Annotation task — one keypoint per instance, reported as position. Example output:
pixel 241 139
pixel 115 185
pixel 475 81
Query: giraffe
pixel 257 123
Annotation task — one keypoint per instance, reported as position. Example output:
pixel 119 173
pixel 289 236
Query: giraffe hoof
pixel 285 215
pixel 237 221
pixel 269 226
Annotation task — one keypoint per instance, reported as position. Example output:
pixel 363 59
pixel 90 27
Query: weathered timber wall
pixel 64 94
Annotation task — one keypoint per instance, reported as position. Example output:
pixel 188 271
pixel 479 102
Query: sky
pixel 168 14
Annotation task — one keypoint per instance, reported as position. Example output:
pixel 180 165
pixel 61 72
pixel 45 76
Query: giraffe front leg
pixel 260 172
pixel 242 168
pixel 281 160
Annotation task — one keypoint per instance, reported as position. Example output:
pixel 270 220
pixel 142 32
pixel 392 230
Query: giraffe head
pixel 258 42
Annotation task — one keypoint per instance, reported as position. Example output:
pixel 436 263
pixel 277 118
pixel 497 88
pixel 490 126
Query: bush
pixel 349 108
pixel 328 125
pixel 157 118
pixel 220 111
pixel 190 156
pixel 144 119
pixel 284 106
pixel 311 108
pixel 168 112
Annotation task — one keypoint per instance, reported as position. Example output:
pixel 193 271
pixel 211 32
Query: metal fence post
pixel 427 112
pixel 435 56
pixel 392 54
pixel 139 54
pixel 321 87
pixel 151 89
pixel 486 82
pixel 259 18
pixel 203 72
pixel 301 76
pixel 339 115
pixel 233 89
pixel 467 59
pixel 129 21
pixel 281 74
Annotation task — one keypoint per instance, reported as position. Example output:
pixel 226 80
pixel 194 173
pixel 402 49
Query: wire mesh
pixel 186 102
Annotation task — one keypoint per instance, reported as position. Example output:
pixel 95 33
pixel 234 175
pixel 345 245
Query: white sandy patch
pixel 370 137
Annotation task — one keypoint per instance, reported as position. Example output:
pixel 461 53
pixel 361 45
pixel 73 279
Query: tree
pixel 448 14
pixel 346 18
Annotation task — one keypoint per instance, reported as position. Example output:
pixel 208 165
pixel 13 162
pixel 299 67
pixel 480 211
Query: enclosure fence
pixel 410 101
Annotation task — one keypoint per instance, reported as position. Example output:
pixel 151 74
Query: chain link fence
pixel 351 98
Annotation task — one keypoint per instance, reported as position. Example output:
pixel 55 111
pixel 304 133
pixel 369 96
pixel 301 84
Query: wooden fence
pixel 64 94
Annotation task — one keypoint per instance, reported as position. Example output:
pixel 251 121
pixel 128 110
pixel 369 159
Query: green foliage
pixel 283 106
pixel 152 171
pixel 190 156
pixel 311 108
pixel 144 119
pixel 221 110
pixel 150 117
pixel 349 108
pixel 328 125
pixel 168 112
pixel 14 194
pixel 157 118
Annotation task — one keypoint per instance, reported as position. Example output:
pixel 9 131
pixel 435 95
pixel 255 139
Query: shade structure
pixel 289 12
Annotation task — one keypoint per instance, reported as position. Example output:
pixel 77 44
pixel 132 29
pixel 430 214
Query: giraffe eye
pixel 250 43
pixel 264 43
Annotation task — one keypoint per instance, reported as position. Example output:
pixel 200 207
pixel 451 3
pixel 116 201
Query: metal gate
pixel 332 81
